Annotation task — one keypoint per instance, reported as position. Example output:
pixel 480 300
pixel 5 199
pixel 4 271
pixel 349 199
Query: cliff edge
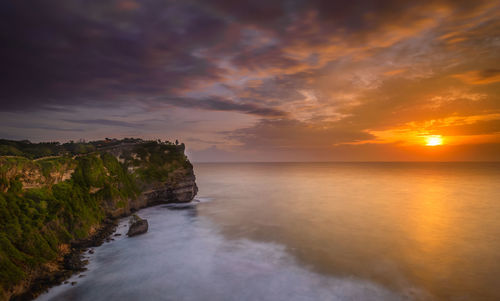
pixel 47 203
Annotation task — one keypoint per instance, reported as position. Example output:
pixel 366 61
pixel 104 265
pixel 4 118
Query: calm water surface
pixel 312 231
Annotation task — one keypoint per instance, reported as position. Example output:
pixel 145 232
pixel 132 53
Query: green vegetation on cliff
pixel 31 150
pixel 36 222
pixel 158 161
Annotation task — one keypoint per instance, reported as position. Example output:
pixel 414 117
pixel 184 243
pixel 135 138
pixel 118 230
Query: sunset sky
pixel 262 81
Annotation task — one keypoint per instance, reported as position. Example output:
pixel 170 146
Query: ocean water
pixel 311 231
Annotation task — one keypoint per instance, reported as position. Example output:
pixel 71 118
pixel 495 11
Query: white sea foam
pixel 203 199
pixel 183 257
pixel 188 205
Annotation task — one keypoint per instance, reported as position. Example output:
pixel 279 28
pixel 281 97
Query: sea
pixel 310 231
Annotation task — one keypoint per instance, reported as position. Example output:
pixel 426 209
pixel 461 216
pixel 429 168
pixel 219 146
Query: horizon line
pixel 374 161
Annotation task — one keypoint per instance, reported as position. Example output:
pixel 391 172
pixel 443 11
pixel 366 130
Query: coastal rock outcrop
pixel 73 190
pixel 137 226
pixel 181 188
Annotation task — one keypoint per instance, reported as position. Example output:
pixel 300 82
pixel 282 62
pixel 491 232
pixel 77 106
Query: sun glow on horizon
pixel 433 140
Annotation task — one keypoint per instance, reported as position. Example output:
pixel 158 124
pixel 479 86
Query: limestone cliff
pixel 35 173
pixel 50 202
pixel 162 173
pixel 175 181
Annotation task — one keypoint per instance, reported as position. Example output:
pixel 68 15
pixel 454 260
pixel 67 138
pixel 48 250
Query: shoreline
pixel 127 181
pixel 71 263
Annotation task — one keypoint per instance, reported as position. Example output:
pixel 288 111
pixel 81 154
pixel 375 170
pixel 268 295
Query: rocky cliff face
pixel 35 173
pixel 181 189
pixel 174 180
pixel 179 186
pixel 51 203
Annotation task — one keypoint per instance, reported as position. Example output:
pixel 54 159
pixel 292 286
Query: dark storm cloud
pixel 65 53
pixel 69 52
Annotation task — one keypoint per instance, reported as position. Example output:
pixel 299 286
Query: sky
pixel 259 80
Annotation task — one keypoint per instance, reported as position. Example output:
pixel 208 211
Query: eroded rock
pixel 137 226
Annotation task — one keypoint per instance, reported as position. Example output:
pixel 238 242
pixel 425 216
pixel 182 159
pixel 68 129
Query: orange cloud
pixel 479 77
pixel 394 72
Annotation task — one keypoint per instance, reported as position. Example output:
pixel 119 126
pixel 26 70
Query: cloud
pixel 203 141
pixel 479 127
pixel 71 53
pixel 214 154
pixel 480 77
pixel 106 122
pixel 293 134
pixel 307 74
pixel 76 52
pixel 221 104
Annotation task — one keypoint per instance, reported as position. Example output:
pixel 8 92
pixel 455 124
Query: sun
pixel 433 140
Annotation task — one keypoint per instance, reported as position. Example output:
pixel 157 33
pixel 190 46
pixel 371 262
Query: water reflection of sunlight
pixel 430 215
pixel 433 224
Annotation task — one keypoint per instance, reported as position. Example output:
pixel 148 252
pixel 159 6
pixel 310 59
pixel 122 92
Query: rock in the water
pixel 137 226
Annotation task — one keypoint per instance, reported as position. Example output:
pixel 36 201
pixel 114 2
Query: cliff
pixel 50 202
